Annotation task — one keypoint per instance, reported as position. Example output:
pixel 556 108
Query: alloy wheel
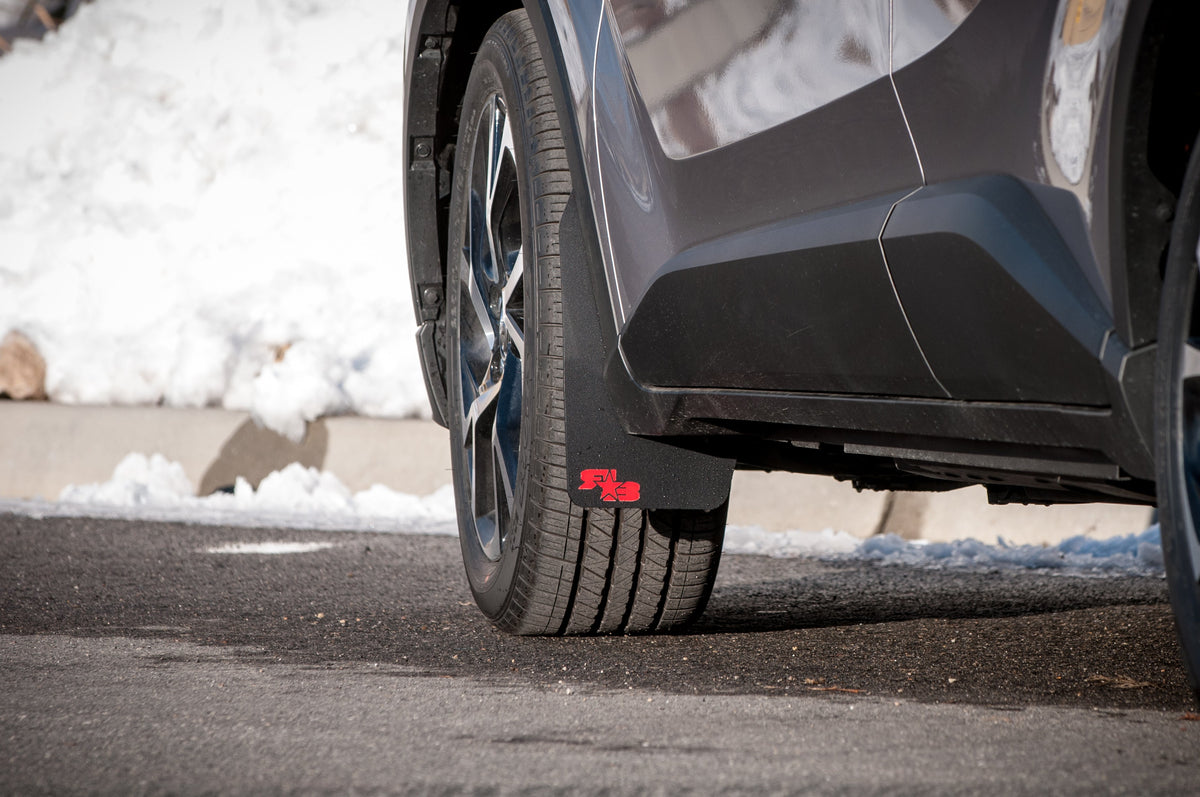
pixel 491 331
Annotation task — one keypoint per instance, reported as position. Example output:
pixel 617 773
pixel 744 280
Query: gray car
pixel 913 244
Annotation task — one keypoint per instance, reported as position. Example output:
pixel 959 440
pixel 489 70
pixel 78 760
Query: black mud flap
pixel 607 466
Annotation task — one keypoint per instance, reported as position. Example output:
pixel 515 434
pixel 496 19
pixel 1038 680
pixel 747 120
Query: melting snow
pixel 270 548
pixel 1132 554
pixel 154 488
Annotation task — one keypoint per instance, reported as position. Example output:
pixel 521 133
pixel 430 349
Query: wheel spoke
pixel 485 506
pixel 516 336
pixel 1191 359
pixel 502 500
pixel 479 442
pixel 478 328
pixel 505 477
pixel 513 319
pixel 479 472
pixel 506 437
pixel 500 155
pixel 503 214
pixel 497 124
pixel 479 235
pixel 479 411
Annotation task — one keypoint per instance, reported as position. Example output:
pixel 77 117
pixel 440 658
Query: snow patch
pixel 202 206
pixel 755 540
pixel 1132 554
pixel 153 488
pixel 138 480
pixel 269 548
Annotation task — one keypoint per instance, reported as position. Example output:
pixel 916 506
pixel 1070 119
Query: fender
pixel 438 54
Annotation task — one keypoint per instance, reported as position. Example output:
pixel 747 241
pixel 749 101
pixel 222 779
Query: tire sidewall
pixel 494 71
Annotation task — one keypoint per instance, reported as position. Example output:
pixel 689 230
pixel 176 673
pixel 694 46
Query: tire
pixel 1177 420
pixel 538 564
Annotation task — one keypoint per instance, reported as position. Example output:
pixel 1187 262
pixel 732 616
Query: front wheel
pixel 538 564
pixel 1177 421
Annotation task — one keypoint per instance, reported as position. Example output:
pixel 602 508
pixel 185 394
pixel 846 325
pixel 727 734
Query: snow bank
pixel 298 497
pixel 269 548
pixel 1132 554
pixel 757 541
pixel 200 204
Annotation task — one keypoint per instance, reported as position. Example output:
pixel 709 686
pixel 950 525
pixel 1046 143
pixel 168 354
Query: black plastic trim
pixel 668 477
pixel 426 59
pixel 981 270
pixel 800 305
pixel 1133 256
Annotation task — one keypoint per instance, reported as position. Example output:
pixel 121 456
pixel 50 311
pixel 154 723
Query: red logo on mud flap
pixel 611 488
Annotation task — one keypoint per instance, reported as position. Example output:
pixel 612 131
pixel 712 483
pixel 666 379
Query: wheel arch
pixel 1156 118
pixel 443 39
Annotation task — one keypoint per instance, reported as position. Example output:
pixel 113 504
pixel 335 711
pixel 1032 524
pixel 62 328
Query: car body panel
pixel 1014 91
pixel 741 190
pixel 1005 95
pixel 712 73
pixel 688 119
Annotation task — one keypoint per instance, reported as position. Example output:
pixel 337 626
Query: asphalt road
pixel 136 661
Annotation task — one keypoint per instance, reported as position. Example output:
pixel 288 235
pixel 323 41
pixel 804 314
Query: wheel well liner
pixel 444 40
pixel 1155 121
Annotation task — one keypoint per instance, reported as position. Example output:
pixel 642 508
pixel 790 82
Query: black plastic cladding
pixel 425 227
pixel 747 312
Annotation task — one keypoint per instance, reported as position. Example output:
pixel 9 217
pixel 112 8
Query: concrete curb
pixel 45 447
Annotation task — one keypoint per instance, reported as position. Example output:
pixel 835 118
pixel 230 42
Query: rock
pixel 22 369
